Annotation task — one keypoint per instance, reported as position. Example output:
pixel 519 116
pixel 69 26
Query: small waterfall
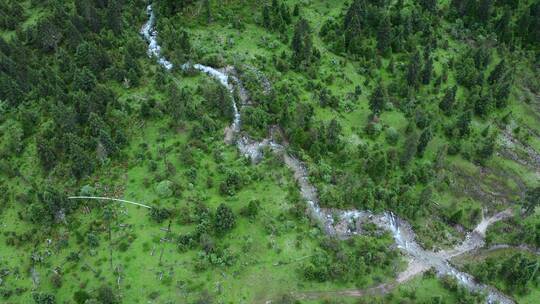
pixel 150 35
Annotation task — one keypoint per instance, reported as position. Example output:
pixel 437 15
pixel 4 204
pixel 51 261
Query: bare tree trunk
pixel 110 245
pixel 161 254
pixel 163 245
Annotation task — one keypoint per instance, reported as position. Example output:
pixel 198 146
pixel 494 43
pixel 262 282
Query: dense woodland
pixel 429 109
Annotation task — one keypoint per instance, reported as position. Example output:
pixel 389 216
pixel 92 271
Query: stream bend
pixel 348 221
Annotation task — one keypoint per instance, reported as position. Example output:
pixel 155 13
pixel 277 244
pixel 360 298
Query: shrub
pixel 224 219
pixel 392 136
pixel 164 189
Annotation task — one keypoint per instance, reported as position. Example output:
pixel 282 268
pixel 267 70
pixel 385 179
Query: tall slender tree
pixel 378 99
pixel 447 103
pixel 302 43
pixel 384 37
pixel 414 70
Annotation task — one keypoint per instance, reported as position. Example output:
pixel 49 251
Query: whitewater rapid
pixel 338 223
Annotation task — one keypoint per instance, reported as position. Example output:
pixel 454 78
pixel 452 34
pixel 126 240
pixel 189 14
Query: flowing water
pixel 150 34
pixel 339 223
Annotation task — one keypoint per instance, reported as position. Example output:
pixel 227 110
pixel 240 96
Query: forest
pixel 269 151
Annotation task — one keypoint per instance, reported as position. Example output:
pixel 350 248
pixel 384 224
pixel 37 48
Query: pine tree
pixel 501 92
pixel 466 72
pixel 10 90
pixel 208 11
pixel 89 13
pixel 267 22
pixel 275 7
pixel 485 132
pixel 11 143
pixel 81 163
pixel 427 71
pixel 483 104
pixel 425 197
pixel 333 134
pixel 459 7
pixel 114 16
pixel 482 57
pixel 106 140
pixel 106 295
pixel 302 44
pixel 185 43
pixel 377 165
pixel 429 5
pixel 384 38
pixel 447 103
pixel 96 124
pixel 425 138
pixel 285 13
pixel 177 103
pixel 45 145
pixel 463 123
pixel 85 80
pixel 498 72
pixel 73 35
pixel 410 148
pixel 440 158
pixel 169 7
pixel 354 24
pixel 43 298
pixel 378 99
pixel 413 71
pixel 456 217
pixel 486 149
pixel 49 35
pixel 531 200
pixel 534 26
pixel 502 27
pixel 399 5
pixel 296 10
pixel 485 8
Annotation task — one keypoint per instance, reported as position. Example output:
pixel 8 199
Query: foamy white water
pixel 150 34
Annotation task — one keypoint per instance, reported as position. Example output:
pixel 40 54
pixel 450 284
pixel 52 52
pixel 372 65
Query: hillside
pixel 249 151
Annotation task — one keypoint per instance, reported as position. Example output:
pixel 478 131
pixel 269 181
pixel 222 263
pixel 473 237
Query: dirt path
pixel 380 289
pixel 476 238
